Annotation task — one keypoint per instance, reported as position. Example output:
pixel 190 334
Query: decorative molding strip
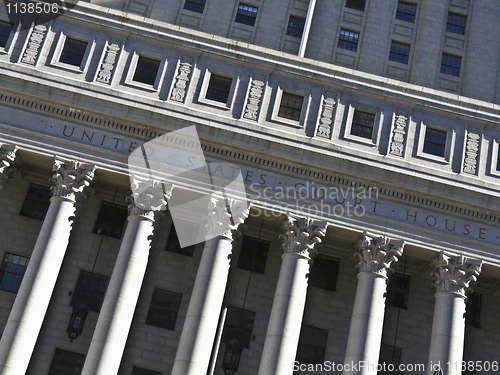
pixel 472 147
pixel 35 41
pixel 398 135
pixel 181 82
pixel 254 96
pixel 324 122
pixel 108 63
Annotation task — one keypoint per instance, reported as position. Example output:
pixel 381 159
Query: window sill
pixel 65 66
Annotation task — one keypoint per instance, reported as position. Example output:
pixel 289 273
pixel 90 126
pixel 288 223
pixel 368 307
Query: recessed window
pixel 312 344
pixel 146 70
pixel 164 309
pixel 219 88
pixel 390 355
pixel 111 220
pixel 434 142
pixel 406 12
pixel 356 4
pixel 195 5
pixel 399 52
pixel 90 290
pixel 290 106
pixel 238 325
pixel 174 246
pixel 246 14
pixel 398 290
pixel 12 272
pixel 73 51
pixel 37 202
pixel 450 65
pixel 362 124
pixel 456 23
pixel 253 254
pixel 295 26
pixel 473 309
pixel 142 371
pixel 65 362
pixel 498 159
pixel 348 40
pixel 5 30
pixel 324 272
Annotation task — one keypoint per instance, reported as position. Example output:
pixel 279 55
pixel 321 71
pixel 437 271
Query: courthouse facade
pixel 366 133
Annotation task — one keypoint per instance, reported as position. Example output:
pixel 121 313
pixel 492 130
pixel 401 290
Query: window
pixel 164 309
pixel 324 272
pixel 90 289
pixel 146 70
pixel 290 106
pixel 362 124
pixel 219 88
pixel 312 344
pixel 246 14
pixel 111 220
pixel 389 355
pixel 142 371
pixel 356 4
pixel 450 65
pixel 174 246
pixel 295 26
pixel 5 30
pixel 348 40
pixel 12 272
pixel 195 5
pixel 73 51
pixel 397 291
pixel 498 159
pixel 253 254
pixel 406 12
pixel 434 142
pixel 66 363
pixel 456 24
pixel 473 309
pixel 238 325
pixel 37 202
pixel 399 52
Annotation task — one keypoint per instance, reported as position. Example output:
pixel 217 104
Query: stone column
pixel 26 317
pixel 452 275
pixel 282 338
pixel 7 158
pixel 113 325
pixel 200 325
pixel 375 256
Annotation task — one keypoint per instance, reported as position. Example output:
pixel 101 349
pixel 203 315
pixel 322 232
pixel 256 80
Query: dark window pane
pixel 389 355
pixel 456 24
pixel 399 52
pixel 324 272
pixel 73 51
pixel 195 5
pixel 295 26
pixel 12 272
pixel 5 30
pixel 348 40
pixel 111 220
pixel 238 325
pixel 498 159
pixel 312 344
pixel 406 12
pixel 90 290
pixel 253 252
pixel 219 88
pixel 450 65
pixel 174 246
pixel 435 141
pixel 356 4
pixel 473 310
pixel 37 202
pixel 397 291
pixel 142 371
pixel 164 309
pixel 246 14
pixel 362 124
pixel 291 106
pixel 146 70
pixel 66 363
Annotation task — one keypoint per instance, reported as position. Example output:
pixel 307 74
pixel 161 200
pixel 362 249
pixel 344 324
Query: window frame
pixel 26 198
pixel 79 289
pixel 3 271
pixel 452 25
pixel 347 41
pixel 195 2
pixel 377 123
pixel 414 15
pixel 224 338
pixel 84 66
pixel 244 16
pixel 450 139
pixel 68 351
pixel 450 66
pixel 151 303
pixel 11 41
pixel 186 251
pixel 112 205
pixel 129 78
pixel 393 53
pixel 312 272
pixel 303 111
pixel 204 88
pixel 289 27
pixel 301 343
pixel 391 291
pixel 494 158
pixel 356 8
pixel 261 245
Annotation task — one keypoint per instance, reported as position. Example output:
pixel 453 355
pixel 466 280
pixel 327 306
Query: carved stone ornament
pixel 7 158
pixel 398 135
pixel 108 63
pixel 472 150
pixel 326 118
pixel 453 274
pixel 376 254
pixel 224 216
pixel 301 234
pixel 35 41
pixel 254 97
pixel 148 197
pixel 71 179
pixel 181 82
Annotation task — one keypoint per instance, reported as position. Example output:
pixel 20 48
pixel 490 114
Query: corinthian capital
pixel 301 234
pixel 148 197
pixel 224 216
pixel 7 157
pixel 71 179
pixel 453 274
pixel 376 254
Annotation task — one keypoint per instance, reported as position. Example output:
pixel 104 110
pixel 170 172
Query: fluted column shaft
pixel 32 300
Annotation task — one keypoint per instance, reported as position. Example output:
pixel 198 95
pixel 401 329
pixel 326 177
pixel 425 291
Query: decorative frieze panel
pixel 254 99
pixel 326 114
pixel 181 81
pixel 108 63
pixel 35 42
pixel 398 135
pixel 472 147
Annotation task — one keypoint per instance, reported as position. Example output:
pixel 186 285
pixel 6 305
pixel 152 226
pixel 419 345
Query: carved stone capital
pixel 224 216
pixel 301 234
pixel 148 197
pixel 453 273
pixel 376 254
pixel 7 167
pixel 71 179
